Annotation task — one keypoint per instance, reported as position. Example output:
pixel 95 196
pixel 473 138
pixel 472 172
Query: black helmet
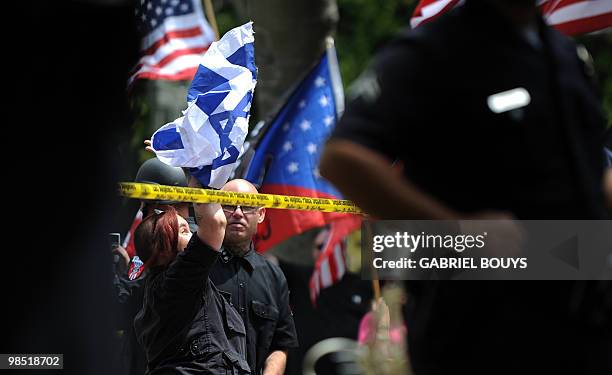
pixel 153 171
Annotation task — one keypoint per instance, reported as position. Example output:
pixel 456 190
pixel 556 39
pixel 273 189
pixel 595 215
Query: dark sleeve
pixel 187 275
pixel 123 320
pixel 122 288
pixel 129 299
pixel 389 102
pixel 285 336
pixel 171 299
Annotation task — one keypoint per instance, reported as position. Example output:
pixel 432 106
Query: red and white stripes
pixel 173 50
pixel 570 17
pixel 330 267
pixel 573 17
pixel 428 10
pixel 128 242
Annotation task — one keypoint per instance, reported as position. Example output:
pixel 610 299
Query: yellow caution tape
pixel 185 194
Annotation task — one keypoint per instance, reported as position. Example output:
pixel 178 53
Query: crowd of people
pixel 209 303
pixel 206 301
pixel 422 106
pixel 200 303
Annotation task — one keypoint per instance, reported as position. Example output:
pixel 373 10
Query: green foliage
pixel 141 111
pixel 226 20
pixel 153 103
pixel 364 26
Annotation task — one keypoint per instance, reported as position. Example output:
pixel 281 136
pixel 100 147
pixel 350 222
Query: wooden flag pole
pixel 375 282
pixel 210 15
pixel 376 288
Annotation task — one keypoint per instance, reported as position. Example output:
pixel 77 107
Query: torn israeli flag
pixel 209 137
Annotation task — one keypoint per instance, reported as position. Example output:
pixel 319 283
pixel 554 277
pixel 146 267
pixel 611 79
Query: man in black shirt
pixel 255 287
pixel 492 115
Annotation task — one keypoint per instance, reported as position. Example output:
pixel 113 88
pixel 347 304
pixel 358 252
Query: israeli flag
pixel 209 137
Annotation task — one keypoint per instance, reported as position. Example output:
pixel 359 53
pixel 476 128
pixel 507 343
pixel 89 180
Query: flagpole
pixel 367 226
pixel 210 15
pixel 334 74
pixel 376 289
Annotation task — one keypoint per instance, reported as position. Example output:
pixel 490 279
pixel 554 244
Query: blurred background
pixel 290 37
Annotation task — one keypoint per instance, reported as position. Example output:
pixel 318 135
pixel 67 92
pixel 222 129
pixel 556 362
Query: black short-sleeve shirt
pixel 258 290
pixel 425 100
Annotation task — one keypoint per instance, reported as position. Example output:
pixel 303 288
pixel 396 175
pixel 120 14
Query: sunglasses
pixel 230 209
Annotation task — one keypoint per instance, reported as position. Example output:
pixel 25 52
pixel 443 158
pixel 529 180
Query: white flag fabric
pixel 209 137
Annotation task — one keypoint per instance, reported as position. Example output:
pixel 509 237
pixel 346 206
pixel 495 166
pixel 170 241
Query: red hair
pixel 156 238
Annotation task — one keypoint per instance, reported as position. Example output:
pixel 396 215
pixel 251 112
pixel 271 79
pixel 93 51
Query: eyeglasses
pixel 230 209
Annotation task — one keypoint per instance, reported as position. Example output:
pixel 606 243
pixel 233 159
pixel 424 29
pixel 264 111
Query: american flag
pixel 330 266
pixel 429 10
pixel 128 242
pixel 286 162
pixel 287 157
pixel 175 34
pixel 573 17
pixel 570 17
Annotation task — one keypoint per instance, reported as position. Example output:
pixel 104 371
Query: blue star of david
pixel 208 103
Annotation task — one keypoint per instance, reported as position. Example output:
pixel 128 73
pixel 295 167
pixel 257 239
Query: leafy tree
pixel 365 26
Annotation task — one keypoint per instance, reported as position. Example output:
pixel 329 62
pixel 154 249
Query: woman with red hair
pixel 185 326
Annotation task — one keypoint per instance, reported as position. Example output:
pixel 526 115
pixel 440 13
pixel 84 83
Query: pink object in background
pixel 366 333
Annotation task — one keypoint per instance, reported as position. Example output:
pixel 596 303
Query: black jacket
pixel 185 325
pixel 131 357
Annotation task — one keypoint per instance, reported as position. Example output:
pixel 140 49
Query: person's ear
pixel 262 215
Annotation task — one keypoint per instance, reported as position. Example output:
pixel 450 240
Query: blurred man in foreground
pixel 493 115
